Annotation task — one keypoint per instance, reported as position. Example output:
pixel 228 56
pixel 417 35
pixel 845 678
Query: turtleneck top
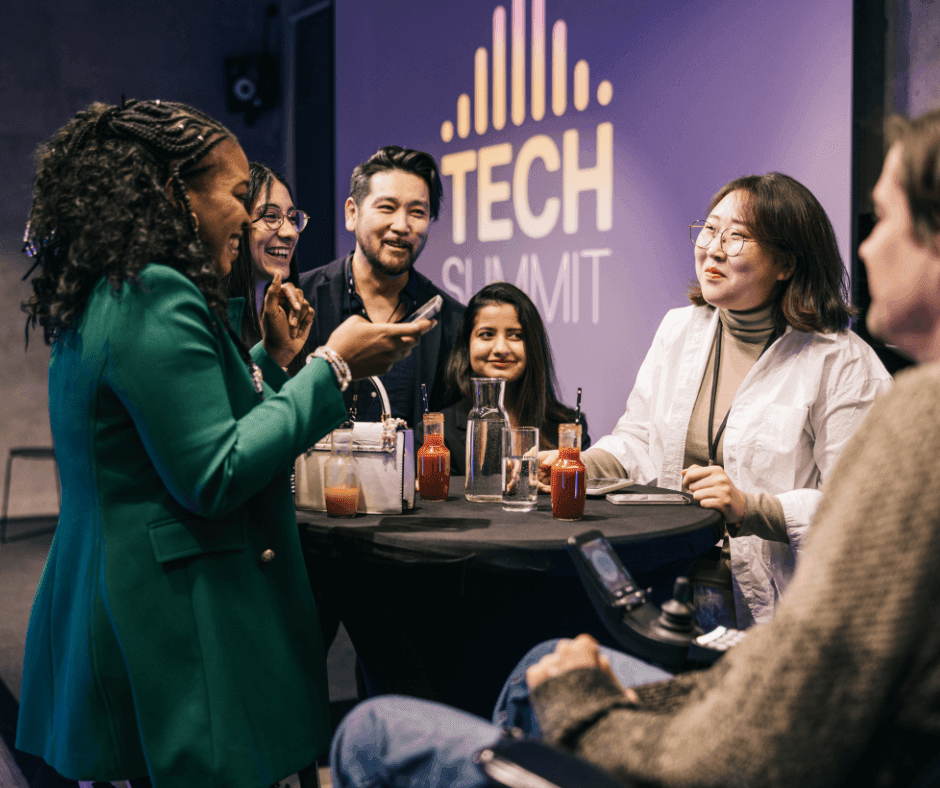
pixel 743 337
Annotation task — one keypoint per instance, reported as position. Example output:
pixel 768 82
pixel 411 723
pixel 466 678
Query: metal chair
pixel 26 453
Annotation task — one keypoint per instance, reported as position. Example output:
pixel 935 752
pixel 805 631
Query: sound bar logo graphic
pixel 537 87
pixel 558 200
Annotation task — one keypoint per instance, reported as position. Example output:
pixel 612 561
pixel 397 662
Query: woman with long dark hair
pixel 268 245
pixel 502 336
pixel 173 639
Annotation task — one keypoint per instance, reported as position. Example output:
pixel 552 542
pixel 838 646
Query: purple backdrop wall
pixel 586 202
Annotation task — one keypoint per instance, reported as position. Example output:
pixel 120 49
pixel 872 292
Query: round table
pixel 443 601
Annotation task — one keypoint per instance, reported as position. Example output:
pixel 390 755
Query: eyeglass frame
pixel 720 236
pixel 296 211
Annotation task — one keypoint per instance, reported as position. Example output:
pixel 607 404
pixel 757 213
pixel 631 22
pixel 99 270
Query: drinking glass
pixel 520 469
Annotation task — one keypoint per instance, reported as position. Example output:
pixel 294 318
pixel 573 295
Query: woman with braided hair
pixel 173 640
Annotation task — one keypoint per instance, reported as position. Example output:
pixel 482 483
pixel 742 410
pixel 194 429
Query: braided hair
pixel 100 207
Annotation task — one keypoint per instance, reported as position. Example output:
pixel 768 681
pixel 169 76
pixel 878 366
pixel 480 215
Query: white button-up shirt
pixel 789 421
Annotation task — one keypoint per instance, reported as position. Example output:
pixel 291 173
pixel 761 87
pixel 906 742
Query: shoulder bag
pixel 384 453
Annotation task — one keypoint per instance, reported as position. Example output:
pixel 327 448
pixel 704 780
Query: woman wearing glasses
pixel 267 247
pixel 747 398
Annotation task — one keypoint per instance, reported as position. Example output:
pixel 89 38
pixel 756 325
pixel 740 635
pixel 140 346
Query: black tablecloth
pixel 649 535
pixel 442 602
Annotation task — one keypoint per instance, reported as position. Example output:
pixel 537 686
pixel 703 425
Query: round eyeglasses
pixel 273 218
pixel 702 234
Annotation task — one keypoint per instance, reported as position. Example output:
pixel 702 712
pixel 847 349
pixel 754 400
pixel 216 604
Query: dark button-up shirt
pixel 399 380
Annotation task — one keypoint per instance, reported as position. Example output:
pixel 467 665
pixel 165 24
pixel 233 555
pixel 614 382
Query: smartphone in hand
pixel 428 311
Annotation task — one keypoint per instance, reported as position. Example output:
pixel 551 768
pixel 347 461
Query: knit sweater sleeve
pixel 854 647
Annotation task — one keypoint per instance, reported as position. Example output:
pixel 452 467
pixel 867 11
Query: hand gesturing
pixel 285 320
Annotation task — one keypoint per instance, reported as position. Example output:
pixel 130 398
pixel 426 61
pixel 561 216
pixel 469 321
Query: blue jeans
pixel 394 742
pixel 397 741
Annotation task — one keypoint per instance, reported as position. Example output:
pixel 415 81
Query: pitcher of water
pixel 484 480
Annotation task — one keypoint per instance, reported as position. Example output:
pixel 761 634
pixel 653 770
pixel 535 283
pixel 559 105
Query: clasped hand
pixel 582 652
pixel 712 488
pixel 513 469
pixel 546 458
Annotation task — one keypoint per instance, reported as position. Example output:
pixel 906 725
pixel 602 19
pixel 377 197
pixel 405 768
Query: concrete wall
pixel 923 46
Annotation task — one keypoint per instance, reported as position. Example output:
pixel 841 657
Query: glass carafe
pixel 341 476
pixel 433 460
pixel 568 476
pixel 484 480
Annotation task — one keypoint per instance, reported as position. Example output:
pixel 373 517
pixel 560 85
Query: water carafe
pixel 484 480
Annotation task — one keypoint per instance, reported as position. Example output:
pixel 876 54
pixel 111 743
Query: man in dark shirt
pixel 393 198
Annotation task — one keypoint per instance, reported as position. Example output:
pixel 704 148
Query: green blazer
pixel 159 643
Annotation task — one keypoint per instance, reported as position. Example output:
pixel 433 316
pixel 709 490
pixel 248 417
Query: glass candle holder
pixel 341 476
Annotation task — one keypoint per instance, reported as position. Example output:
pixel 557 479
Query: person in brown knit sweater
pixel 842 687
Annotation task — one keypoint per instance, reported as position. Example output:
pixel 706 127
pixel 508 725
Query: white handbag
pixel 384 452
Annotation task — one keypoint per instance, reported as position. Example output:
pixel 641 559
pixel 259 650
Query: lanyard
pixel 352 297
pixel 713 442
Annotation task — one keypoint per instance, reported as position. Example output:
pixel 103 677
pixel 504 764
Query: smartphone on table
pixel 646 499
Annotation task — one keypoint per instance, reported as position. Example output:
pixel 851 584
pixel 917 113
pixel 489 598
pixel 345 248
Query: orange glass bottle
pixel 568 475
pixel 433 460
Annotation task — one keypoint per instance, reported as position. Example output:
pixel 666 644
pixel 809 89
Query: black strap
pixel 713 442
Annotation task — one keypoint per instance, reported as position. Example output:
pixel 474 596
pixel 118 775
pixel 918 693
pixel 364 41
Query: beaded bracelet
pixel 335 360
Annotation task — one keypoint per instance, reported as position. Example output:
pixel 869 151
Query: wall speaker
pixel 252 84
